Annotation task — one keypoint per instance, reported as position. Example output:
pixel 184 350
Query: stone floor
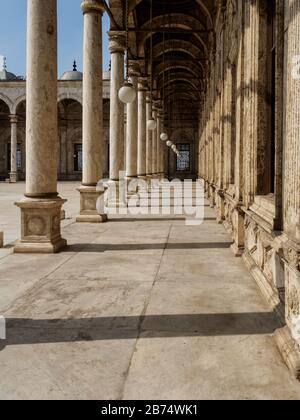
pixel 134 309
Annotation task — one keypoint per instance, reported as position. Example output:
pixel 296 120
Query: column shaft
pixel 117 48
pixel 142 130
pixel 41 99
pixel 132 127
pixel 154 146
pixel 158 147
pixel 13 149
pixel 148 141
pixel 92 120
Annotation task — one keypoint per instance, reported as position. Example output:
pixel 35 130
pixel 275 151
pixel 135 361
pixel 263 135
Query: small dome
pixel 72 75
pixel 6 75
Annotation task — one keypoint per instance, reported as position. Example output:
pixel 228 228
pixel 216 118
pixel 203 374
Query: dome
pixel 72 75
pixel 6 75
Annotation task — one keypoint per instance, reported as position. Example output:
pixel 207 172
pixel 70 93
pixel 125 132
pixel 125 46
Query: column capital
pixel 92 6
pixel 157 105
pixel 134 68
pixel 13 119
pixel 117 42
pixel 143 84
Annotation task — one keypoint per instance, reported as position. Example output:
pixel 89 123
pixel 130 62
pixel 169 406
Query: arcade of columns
pixel 249 141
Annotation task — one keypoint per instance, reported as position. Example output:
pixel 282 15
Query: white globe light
pixel 174 147
pixel 164 136
pixel 151 125
pixel 169 143
pixel 127 93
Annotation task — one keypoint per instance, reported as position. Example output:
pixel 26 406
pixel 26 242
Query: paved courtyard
pixel 134 309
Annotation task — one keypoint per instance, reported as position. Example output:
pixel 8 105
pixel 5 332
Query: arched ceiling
pixel 181 33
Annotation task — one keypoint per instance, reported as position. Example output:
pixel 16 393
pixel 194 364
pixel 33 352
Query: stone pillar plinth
pixel 92 121
pixel 41 207
pixel 142 128
pixel 13 176
pixel 148 141
pixel 117 44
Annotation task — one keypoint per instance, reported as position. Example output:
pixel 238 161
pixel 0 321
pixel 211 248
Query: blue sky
pixel 70 33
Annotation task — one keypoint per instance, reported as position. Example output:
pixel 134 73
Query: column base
pixel 91 205
pixel 131 185
pixel 237 251
pixel 40 226
pixel 220 203
pixel 13 177
pixel 143 185
pixel 289 350
pixel 63 215
pixel 92 218
pixel 117 194
pixel 238 235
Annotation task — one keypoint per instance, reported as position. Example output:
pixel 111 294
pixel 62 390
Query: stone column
pixel 92 120
pixel 41 207
pixel 154 146
pixel 63 151
pixel 132 125
pixel 148 141
pixel 117 44
pixel 142 88
pixel 238 216
pixel 13 176
pixel 159 144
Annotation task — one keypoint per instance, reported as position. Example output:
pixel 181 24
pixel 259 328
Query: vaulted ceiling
pixel 181 36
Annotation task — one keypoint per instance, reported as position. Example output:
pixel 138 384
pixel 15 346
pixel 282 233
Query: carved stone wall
pixel 249 149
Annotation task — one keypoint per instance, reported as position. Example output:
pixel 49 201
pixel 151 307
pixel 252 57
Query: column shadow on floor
pixel 33 331
pixel 140 247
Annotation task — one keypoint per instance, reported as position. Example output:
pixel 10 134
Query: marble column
pixel 148 141
pixel 92 120
pixel 154 145
pixel 117 45
pixel 41 207
pixel 142 127
pixel 132 125
pixel 13 176
pixel 159 144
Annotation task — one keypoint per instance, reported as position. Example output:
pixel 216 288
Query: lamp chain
pixel 127 42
